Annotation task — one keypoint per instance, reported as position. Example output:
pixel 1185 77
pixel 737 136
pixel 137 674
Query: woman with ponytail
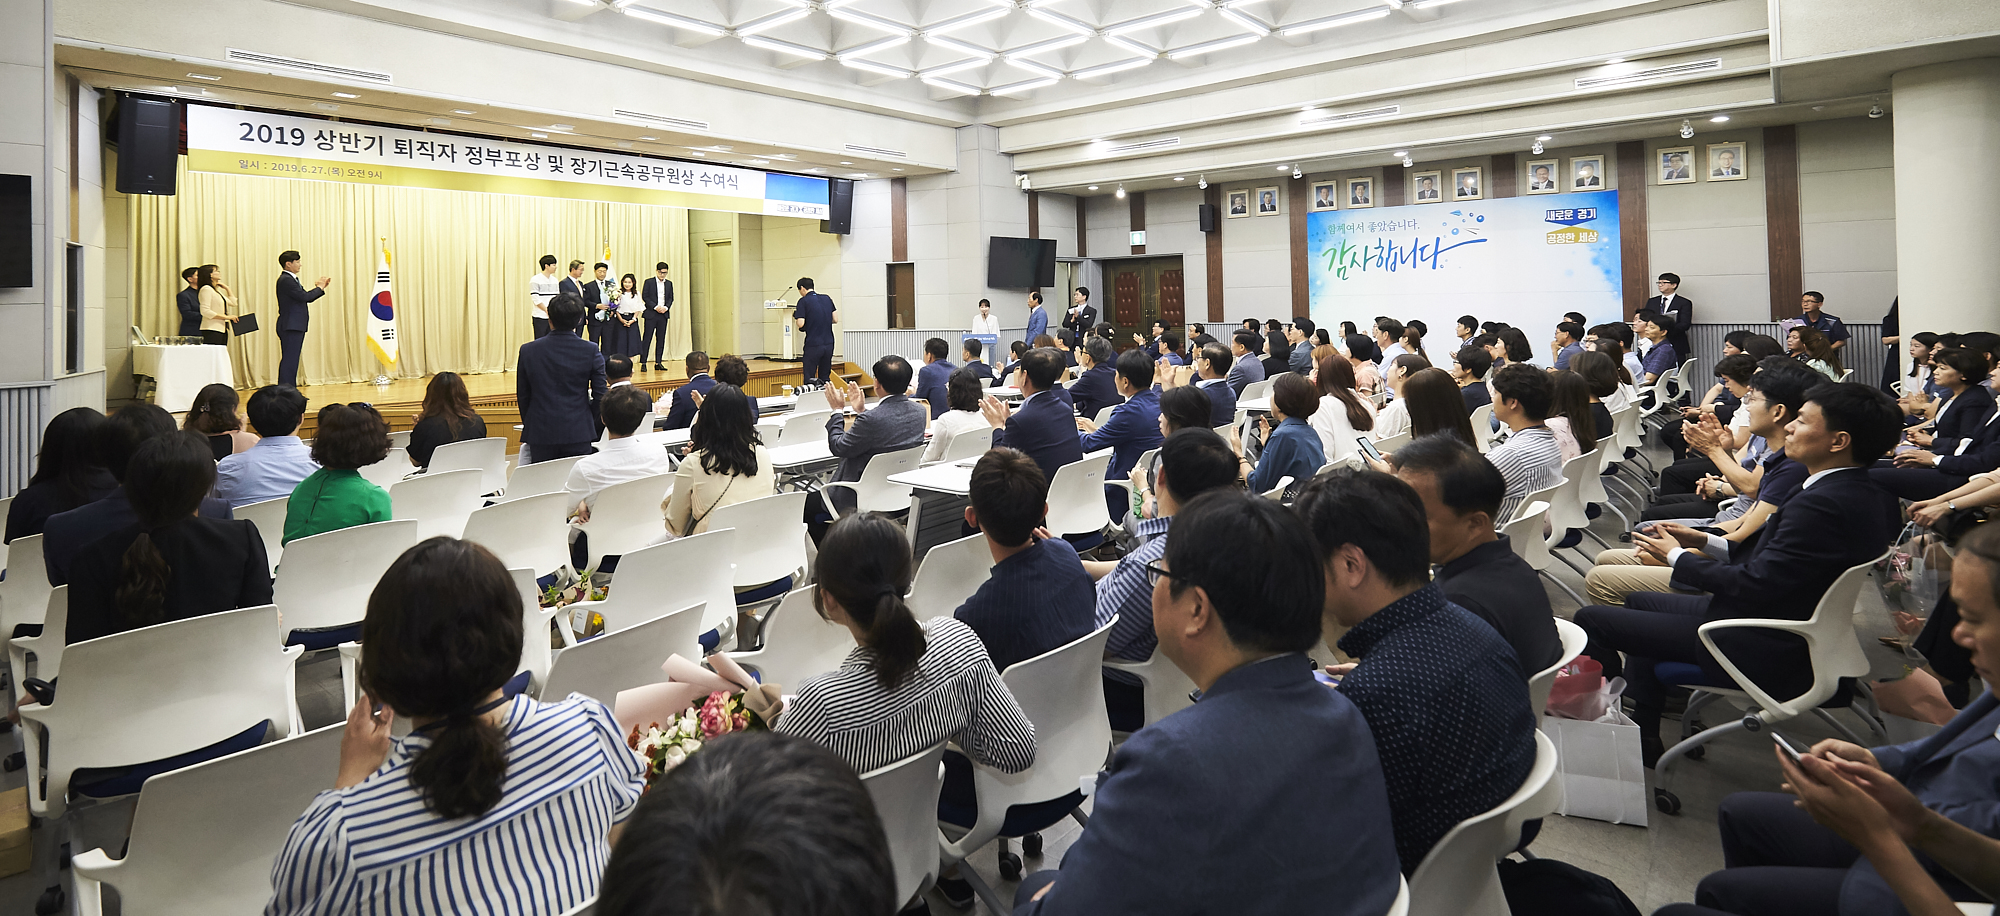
pixel 493 803
pixel 171 564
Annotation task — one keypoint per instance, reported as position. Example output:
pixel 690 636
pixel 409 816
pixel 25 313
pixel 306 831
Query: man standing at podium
pixel 658 294
pixel 293 316
pixel 816 315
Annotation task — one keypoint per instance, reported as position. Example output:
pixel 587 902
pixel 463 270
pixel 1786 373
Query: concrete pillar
pixel 1947 124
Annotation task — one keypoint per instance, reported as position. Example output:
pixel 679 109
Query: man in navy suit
pixel 1081 317
pixel 681 414
pixel 1043 427
pixel 558 383
pixel 1132 428
pixel 1210 364
pixel 1202 811
pixel 970 351
pixel 293 316
pixel 585 292
pixel 1839 518
pixel 1779 861
pixel 658 294
pixel 188 303
pixel 1096 387
pixel 1678 309
pixel 931 378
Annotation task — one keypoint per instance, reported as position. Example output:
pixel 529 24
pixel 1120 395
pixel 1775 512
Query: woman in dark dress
pixel 446 417
pixel 68 473
pixel 213 415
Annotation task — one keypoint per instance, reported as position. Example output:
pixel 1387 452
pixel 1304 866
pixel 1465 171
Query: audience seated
pixel 1810 346
pixel 169 564
pixel 622 457
pixel 617 371
pixel 1192 462
pixel 1180 408
pixel 1965 405
pixel 1247 368
pixel 1277 353
pixel 1434 405
pixel 1194 805
pixel 730 369
pixel 962 393
pixel 1468 368
pixel 447 415
pixel 1132 428
pixel 1444 696
pixel 681 402
pixel 931 377
pixel 1394 420
pixel 559 385
pixel 1037 597
pixel 972 348
pixel 1530 459
pixel 1344 416
pixel 1660 358
pixel 1600 375
pixel 1289 446
pixel 420 824
pixel 726 462
pixel 1778 861
pixel 1681 477
pixel 1097 387
pixel 1211 364
pixel 1569 414
pixel 1043 427
pixel 68 472
pixel 755 823
pixel 350 437
pixel 856 432
pixel 1477 568
pixel 273 467
pixel 1839 518
pixel 213 415
pixel 119 438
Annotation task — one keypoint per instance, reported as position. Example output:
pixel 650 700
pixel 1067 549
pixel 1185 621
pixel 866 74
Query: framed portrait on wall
pixel 1326 195
pixel 1268 202
pixel 1586 173
pixel 1676 164
pixel 1468 183
pixel 1360 193
pixel 1239 203
pixel 1542 176
pixel 1426 185
pixel 1727 162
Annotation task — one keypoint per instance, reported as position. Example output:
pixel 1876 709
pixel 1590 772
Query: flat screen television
pixel 17 232
pixel 1013 263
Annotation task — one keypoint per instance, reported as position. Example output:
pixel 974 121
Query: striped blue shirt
pixel 1127 591
pixel 373 848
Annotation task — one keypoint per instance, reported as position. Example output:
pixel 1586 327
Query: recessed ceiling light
pixel 895 170
pixel 1283 167
pixel 1718 119
pixel 323 106
pixel 203 76
pixel 562 127
pixel 1615 60
pixel 345 95
pixel 441 122
pixel 1400 153
pixel 1180 178
pixel 1545 138
pixel 760 161
pixel 700 155
pixel 538 135
pixel 463 111
pixel 820 171
pixel 1092 188
pixel 649 138
pixel 846 163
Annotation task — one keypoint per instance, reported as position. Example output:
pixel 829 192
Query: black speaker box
pixel 149 141
pixel 840 200
pixel 1206 215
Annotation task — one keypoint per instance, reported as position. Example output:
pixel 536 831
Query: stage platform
pixel 493 393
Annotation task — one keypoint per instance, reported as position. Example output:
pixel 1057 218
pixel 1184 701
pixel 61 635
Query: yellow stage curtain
pixel 460 260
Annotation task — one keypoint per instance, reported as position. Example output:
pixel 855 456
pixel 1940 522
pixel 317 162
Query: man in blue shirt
pixel 931 378
pixel 1810 316
pixel 275 465
pixel 1037 597
pixel 1443 694
pixel 1132 428
pixel 1043 426
pixel 1568 343
pixel 816 315
pixel 1207 810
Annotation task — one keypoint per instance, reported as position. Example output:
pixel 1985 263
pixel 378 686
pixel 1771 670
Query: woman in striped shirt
pixel 491 805
pixel 905 687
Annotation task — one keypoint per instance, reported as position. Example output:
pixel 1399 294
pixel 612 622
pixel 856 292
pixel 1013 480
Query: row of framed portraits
pixel 1674 165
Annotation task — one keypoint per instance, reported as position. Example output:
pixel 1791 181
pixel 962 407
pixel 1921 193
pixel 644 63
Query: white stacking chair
pixel 1592 487
pixel 530 532
pixel 488 456
pixel 538 478
pixel 599 668
pixel 652 581
pixel 1678 379
pixel 949 574
pixel 185 858
pixel 1168 688
pixel 24 594
pixel 270 518
pixel 1847 375
pixel 326 578
pixel 1257 389
pixel 1104 415
pixel 536 653
pixel 798 643
pixel 393 467
pixel 1458 876
pixel 439 501
pixel 1277 492
pixel 1062 692
pixel 1395 442
pixel 6 507
pixel 801 428
pixel 46 647
pixel 582 909
pixel 906 798
pixel 771 544
pixel 1076 497
pixel 1402 905
pixel 873 492
pixel 627 516
pixel 1573 640
pixel 1835 653
pixel 969 444
pixel 400 439
pixel 1524 534
pixel 1482 427
pixel 1567 508
pixel 147 682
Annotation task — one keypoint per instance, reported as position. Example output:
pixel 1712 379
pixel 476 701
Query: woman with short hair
pixel 1291 448
pixel 214 415
pixel 350 437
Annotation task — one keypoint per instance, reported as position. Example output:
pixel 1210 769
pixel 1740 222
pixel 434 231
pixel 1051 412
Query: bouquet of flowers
pixel 697 705
pixel 564 594
pixel 664 748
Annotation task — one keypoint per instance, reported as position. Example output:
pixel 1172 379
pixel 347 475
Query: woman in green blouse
pixel 350 437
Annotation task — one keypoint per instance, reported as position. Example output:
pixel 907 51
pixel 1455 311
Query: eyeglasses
pixel 1154 573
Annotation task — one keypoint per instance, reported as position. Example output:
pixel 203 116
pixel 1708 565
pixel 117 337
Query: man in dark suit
pixel 584 291
pixel 856 433
pixel 932 377
pixel 1237 622
pixel 1839 518
pixel 188 303
pixel 67 533
pixel 1211 365
pixel 1248 368
pixel 1426 189
pixel 1675 168
pixel 658 294
pixel 969 351
pixel 558 383
pixel 1725 166
pixel 1096 387
pixel 680 415
pixel 1678 309
pixel 293 316
pixel 1043 427
pixel 1541 180
pixel 1081 317
pixel 1586 176
pixel 1357 194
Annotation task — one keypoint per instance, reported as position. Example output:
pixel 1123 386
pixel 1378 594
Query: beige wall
pixel 770 253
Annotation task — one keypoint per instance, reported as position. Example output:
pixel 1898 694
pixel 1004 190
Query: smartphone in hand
pixel 1790 750
pixel 1368 448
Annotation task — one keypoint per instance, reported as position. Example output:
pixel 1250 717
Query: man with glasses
pixel 1201 799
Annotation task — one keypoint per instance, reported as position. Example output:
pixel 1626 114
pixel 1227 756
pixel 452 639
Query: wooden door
pixel 1173 296
pixel 902 295
pixel 1128 296
pixel 715 319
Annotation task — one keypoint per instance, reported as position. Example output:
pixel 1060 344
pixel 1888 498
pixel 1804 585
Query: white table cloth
pixel 179 372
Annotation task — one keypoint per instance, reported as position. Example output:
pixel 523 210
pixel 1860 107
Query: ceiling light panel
pixel 967 21
pixel 857 17
pixel 1210 47
pixel 885 44
pixel 1245 21
pixel 1154 21
pixel 1108 69
pixel 1063 22
pixel 772 21
pixel 784 47
pixel 674 20
pixel 1329 22
pixel 961 47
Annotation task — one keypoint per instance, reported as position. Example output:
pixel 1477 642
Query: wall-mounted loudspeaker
pixel 840 200
pixel 1207 217
pixel 149 141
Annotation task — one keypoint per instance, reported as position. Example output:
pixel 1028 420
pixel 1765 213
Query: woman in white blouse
pixel 726 463
pixel 622 337
pixel 1343 415
pixel 218 305
pixel 961 393
pixel 1394 420
pixel 986 322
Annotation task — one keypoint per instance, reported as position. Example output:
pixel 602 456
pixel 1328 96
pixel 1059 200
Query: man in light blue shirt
pixel 1568 343
pixel 275 465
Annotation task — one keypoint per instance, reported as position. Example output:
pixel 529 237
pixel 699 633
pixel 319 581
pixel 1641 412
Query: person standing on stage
pixel 658 296
pixel 574 285
pixel 541 288
pixel 217 305
pixel 986 322
pixel 188 301
pixel 602 301
pixel 293 316
pixel 816 315
pixel 622 329
pixel 558 383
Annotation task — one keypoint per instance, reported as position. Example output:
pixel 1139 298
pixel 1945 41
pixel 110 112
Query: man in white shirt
pixel 619 459
pixel 1389 338
pixel 541 288
pixel 617 371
